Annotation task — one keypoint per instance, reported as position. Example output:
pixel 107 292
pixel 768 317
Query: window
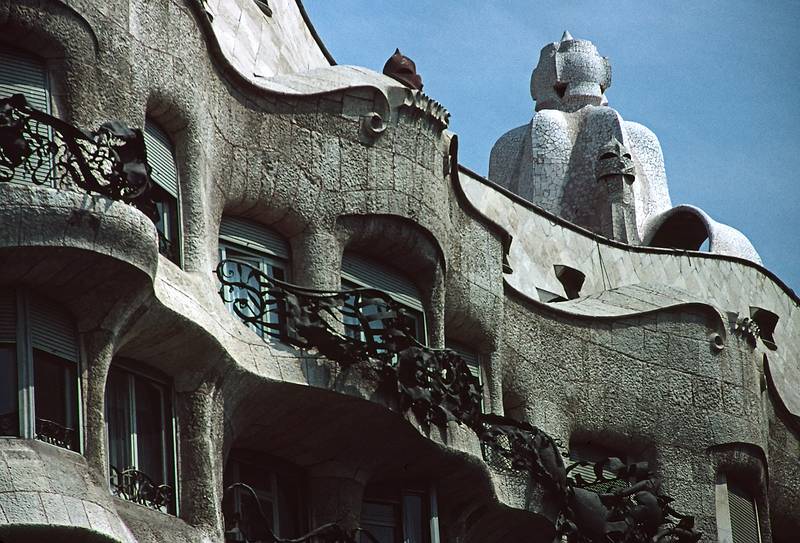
pixel 164 174
pixel 21 73
pixel 278 487
pixel 361 272
pixel 248 242
pixel 39 390
pixel 139 428
pixel 405 516
pixel 737 512
pixel 473 361
pixel 593 453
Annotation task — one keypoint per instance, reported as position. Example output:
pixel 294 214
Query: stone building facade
pixel 134 398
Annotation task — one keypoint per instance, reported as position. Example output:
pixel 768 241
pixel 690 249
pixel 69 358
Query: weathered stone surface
pixel 265 128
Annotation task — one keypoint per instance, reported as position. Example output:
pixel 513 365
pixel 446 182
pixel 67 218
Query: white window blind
pixel 368 273
pixel 470 357
pixel 744 516
pixel 24 74
pixel 161 158
pixel 253 235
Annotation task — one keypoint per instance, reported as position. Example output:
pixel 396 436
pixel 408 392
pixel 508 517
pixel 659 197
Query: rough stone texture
pixel 551 160
pixel 631 361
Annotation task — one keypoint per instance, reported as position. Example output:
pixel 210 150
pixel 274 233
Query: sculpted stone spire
pixel 570 74
pixel 578 158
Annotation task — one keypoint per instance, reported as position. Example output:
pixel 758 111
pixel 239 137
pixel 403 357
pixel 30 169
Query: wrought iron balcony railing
pixel 55 434
pixel 137 487
pixel 367 327
pixel 44 150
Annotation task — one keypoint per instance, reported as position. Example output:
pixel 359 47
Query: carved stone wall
pixel 332 159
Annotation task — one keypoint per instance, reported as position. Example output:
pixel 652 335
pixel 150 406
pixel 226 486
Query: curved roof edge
pixel 314 34
pixel 508 288
pixel 320 81
pixel 618 244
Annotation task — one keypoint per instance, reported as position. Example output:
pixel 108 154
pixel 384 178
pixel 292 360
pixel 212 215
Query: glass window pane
pixel 167 225
pixel 9 406
pixel 150 426
pixel 260 480
pixel 290 520
pixel 273 268
pixel 413 520
pixel 278 329
pixel 56 399
pixel 118 418
pixel 351 325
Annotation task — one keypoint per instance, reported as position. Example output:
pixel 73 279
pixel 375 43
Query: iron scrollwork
pixel 366 327
pixel 42 149
pixel 239 530
pixel 137 487
pixel 55 434
pixel 622 503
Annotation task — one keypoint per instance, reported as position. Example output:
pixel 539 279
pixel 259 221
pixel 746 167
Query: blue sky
pixel 717 81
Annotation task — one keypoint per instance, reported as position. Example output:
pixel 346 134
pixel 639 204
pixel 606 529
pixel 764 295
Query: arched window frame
pixel 166 191
pixel 41 343
pixel 248 242
pixel 359 271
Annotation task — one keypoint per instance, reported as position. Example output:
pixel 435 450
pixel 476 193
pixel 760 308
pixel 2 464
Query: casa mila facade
pixel 250 295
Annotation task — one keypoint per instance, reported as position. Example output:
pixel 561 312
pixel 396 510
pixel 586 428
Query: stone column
pixel 99 349
pixel 316 259
pixel 616 172
pixel 201 454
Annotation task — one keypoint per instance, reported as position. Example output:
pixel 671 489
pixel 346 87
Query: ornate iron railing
pixel 367 327
pixel 239 530
pixel 45 150
pixel 137 487
pixel 55 434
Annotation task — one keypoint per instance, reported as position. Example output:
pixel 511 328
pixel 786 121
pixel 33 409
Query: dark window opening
pixel 9 404
pixel 278 495
pixel 396 516
pixel 56 398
